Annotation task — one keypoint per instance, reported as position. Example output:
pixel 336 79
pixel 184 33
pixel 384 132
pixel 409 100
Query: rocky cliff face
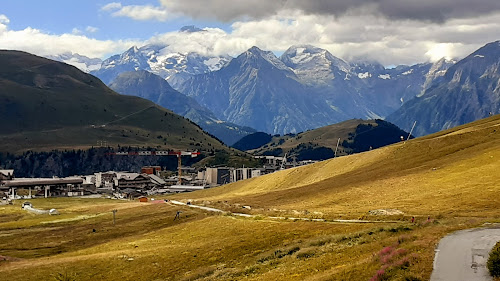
pixel 256 89
pixel 469 90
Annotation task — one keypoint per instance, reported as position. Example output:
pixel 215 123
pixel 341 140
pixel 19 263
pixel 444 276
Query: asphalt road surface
pixel 462 256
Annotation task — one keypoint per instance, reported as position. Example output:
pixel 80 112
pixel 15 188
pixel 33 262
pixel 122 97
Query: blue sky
pixel 62 16
pixel 389 31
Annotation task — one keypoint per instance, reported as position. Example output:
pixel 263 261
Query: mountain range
pixel 308 87
pixel 173 66
pixel 470 90
pixel 152 87
pixel 84 63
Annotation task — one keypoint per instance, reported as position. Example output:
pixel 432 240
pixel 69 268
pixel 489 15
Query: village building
pixel 6 175
pixel 151 170
pixel 46 187
pixel 133 180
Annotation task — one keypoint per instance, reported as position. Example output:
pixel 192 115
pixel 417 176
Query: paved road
pixel 462 256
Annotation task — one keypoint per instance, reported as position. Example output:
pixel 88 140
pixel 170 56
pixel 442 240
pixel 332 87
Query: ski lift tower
pixel 283 163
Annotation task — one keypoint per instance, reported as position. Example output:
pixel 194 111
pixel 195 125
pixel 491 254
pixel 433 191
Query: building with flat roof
pixel 6 174
pixel 48 187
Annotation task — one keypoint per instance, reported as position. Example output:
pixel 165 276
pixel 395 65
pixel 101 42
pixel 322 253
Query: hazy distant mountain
pixel 47 105
pixel 190 29
pixel 258 90
pixel 385 90
pixel 360 89
pixel 154 88
pixel 306 88
pixel 469 90
pixel 174 67
pixel 84 63
pixel 315 66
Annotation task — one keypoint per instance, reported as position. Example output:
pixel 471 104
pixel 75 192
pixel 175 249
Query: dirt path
pixel 276 218
pixel 462 256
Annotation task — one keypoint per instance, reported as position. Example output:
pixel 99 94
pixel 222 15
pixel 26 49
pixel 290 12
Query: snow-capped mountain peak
pixel 314 65
pixel 270 57
pixel 437 71
pixel 300 56
pixel 84 63
pixel 191 29
pixel 158 59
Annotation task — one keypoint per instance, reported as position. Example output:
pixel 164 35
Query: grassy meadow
pixel 447 181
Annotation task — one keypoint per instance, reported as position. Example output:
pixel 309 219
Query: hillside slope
pixel 46 105
pixel 453 171
pixel 319 144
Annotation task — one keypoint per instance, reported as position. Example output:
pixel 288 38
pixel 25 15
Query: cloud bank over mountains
pixel 426 10
pixel 391 32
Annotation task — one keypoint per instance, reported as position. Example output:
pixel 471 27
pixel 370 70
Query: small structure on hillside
pixel 143 199
pixel 26 204
pixel 151 170
pixel 128 193
pixel 6 175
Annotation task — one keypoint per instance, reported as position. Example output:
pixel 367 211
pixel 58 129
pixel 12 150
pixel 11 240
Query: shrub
pixel 278 254
pixel 306 253
pixel 494 261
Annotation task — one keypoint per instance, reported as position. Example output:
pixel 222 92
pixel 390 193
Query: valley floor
pixel 412 194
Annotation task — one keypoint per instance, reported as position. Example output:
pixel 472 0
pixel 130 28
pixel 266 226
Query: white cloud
pixel 422 10
pixel 440 50
pixel 350 29
pixel 137 12
pixel 76 31
pixel 40 43
pixel 111 6
pixel 4 21
pixel 91 29
pixel 359 35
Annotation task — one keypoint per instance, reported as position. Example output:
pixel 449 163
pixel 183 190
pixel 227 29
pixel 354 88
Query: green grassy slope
pixel 355 136
pixel 46 104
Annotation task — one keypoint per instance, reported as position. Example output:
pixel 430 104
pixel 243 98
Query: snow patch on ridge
pixel 408 72
pixel 364 75
pixel 299 51
pixel 213 64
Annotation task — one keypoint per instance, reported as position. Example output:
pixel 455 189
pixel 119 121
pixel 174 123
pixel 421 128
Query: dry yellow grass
pixel 451 176
pixel 449 173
